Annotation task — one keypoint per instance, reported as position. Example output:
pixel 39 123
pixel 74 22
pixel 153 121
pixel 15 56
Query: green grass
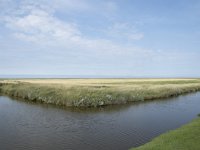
pixel 96 92
pixel 184 138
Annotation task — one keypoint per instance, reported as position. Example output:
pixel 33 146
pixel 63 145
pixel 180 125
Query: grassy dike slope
pixel 96 92
pixel 184 138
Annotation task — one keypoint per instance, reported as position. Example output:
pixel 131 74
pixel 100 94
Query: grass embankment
pixel 184 138
pixel 96 92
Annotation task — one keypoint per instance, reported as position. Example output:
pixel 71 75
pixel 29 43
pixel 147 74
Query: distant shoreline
pixel 93 77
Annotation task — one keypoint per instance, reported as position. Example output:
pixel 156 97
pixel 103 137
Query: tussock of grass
pixel 184 138
pixel 96 92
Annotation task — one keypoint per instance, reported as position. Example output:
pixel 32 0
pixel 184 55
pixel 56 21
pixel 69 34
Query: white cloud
pixel 39 25
pixel 56 31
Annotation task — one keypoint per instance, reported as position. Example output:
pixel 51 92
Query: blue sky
pixel 137 38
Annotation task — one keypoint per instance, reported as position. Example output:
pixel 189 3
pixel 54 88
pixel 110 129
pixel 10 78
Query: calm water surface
pixel 28 126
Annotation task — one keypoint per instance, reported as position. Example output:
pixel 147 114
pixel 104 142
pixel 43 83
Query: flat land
pixel 96 92
pixel 184 138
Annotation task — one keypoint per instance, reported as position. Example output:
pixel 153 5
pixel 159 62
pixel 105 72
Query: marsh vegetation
pixel 96 92
pixel 184 138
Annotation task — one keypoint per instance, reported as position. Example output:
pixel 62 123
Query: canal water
pixel 31 126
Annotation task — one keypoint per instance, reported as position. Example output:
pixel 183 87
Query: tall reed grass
pixel 96 92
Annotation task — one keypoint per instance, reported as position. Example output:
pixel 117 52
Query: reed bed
pixel 96 92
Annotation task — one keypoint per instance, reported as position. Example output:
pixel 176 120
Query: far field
pixel 96 92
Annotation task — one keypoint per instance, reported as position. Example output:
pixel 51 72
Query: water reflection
pixel 26 125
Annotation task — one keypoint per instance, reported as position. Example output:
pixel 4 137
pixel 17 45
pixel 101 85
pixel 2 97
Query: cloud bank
pixel 82 37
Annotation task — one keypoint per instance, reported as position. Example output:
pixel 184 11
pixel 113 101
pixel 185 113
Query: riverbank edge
pixel 88 98
pixel 184 138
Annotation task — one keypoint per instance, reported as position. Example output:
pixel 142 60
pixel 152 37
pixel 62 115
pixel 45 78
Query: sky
pixel 115 38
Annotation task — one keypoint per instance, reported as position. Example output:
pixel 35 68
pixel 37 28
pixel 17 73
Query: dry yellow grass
pixel 94 81
pixel 96 92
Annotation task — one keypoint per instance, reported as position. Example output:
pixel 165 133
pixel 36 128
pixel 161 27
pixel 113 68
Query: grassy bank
pixel 184 138
pixel 96 92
